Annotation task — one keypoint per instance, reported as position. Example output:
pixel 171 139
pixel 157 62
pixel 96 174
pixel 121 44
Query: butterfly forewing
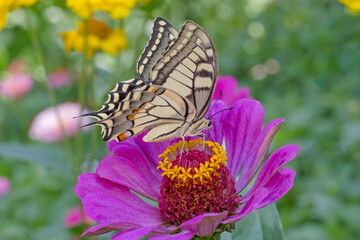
pixel 162 37
pixel 189 67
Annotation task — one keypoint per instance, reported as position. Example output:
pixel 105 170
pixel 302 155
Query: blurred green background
pixel 312 48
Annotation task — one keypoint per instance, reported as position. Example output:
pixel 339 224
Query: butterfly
pixel 177 76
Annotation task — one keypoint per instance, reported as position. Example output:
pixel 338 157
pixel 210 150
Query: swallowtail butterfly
pixel 177 75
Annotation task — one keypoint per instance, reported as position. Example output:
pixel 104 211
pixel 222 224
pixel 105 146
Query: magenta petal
pixel 278 159
pixel 91 183
pixel 230 93
pixel 243 92
pixel 133 234
pixel 106 208
pixel 97 230
pixel 108 227
pixel 131 173
pixel 242 125
pixel 204 224
pixel 278 185
pixel 138 154
pixel 217 124
pixel 228 86
pixel 249 206
pixel 184 235
pixel 149 150
pixel 257 153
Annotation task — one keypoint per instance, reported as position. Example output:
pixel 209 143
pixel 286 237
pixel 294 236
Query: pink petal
pixel 184 235
pixel 90 186
pixel 133 173
pixel 4 186
pixel 75 216
pixel 230 92
pixel 204 224
pixel 257 153
pixel 124 226
pixel 106 208
pixel 16 85
pixel 133 234
pixel 108 227
pixel 278 159
pixel 150 150
pixel 45 127
pixel 89 183
pixel 243 92
pixel 242 126
pixel 141 155
pixel 249 206
pixel 278 185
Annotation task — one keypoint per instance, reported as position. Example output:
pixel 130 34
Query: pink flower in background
pixel 45 126
pixel 4 186
pixel 59 78
pixel 18 65
pixel 199 195
pixel 75 217
pixel 15 86
pixel 230 90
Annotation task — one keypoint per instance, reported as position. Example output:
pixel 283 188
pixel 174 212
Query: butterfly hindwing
pixel 189 67
pixel 115 97
pixel 162 37
pixel 149 106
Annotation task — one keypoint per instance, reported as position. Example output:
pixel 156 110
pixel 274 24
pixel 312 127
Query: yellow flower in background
pixel 100 37
pixel 7 6
pixel 353 5
pixel 116 8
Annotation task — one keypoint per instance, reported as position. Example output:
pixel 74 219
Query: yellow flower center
pixel 174 169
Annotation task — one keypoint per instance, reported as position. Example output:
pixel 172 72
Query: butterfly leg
pixel 171 142
pixel 182 148
pixel 212 139
pixel 203 137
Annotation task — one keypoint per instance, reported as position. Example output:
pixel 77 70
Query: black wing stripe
pixel 162 37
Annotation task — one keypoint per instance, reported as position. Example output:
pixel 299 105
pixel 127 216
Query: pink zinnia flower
pixel 4 186
pixel 75 217
pixel 16 86
pixel 46 128
pixel 194 196
pixel 230 90
pixel 59 78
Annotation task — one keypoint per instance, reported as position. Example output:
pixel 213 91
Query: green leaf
pixel 48 156
pixel 263 224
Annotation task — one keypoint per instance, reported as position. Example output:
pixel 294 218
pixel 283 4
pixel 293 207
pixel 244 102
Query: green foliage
pixel 316 90
pixel 263 224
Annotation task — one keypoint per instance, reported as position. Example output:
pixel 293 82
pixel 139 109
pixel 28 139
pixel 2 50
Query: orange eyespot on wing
pixel 124 135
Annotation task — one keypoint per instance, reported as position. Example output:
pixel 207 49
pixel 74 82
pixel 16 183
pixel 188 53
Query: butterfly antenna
pixel 216 101
pixel 226 109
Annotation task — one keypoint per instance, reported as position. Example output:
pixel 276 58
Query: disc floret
pixel 195 181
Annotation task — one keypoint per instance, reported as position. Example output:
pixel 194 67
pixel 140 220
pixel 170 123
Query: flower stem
pixel 92 105
pixel 81 100
pixel 43 78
